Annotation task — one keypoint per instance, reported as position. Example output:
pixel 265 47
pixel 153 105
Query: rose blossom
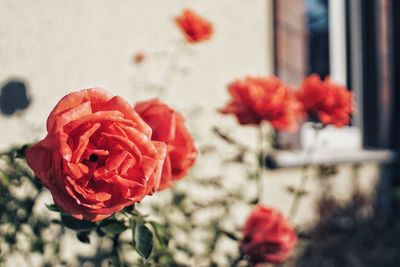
pixel 255 99
pixel 268 237
pixel 330 102
pixel 169 127
pixel 195 28
pixel 97 157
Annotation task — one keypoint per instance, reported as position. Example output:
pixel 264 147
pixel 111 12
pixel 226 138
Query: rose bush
pixel 257 99
pixel 268 237
pixel 98 156
pixel 330 102
pixel 169 127
pixel 194 27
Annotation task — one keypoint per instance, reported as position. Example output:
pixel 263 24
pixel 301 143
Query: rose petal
pixel 118 103
pixel 95 96
pixel 83 142
pixel 39 159
pixel 154 180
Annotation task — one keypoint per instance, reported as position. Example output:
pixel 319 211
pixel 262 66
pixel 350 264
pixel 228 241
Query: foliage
pixel 19 192
pixel 350 235
pixel 202 228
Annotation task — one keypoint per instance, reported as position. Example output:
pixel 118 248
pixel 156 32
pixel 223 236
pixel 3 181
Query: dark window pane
pixel 318 37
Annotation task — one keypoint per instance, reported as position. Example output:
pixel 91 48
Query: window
pixel 310 37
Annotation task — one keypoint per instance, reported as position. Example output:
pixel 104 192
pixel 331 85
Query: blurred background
pixel 50 48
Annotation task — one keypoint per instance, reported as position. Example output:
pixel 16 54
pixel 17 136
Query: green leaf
pixel 53 207
pixel 4 180
pixel 37 245
pixel 230 235
pixel 83 237
pixel 100 232
pixel 129 209
pixel 161 233
pixel 143 240
pixel 10 239
pixel 112 227
pixel 74 224
pixel 269 162
pixel 293 190
pixel 254 201
pixel 178 198
pixel 20 152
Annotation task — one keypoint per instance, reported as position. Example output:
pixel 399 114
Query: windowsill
pixel 293 159
pixel 332 146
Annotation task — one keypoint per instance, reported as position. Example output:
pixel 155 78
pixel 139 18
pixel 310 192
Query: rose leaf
pixel 143 240
pixel 112 227
pixel 74 224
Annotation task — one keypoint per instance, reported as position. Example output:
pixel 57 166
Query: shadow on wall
pixel 14 97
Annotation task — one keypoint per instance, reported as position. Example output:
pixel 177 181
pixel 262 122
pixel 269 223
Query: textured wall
pixel 60 46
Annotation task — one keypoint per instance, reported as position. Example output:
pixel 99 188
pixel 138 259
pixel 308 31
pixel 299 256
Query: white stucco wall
pixel 61 46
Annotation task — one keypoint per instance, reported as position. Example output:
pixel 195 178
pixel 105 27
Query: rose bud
pixel 194 27
pixel 139 57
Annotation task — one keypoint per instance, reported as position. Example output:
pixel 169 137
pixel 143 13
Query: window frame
pixel 340 71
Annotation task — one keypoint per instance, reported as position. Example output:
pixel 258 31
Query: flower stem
pixel 116 251
pixel 172 65
pixel 238 260
pixel 304 176
pixel 260 162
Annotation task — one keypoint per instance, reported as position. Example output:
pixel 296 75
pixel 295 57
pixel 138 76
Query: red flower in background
pixel 169 127
pixel 268 237
pixel 97 157
pixel 255 99
pixel 139 57
pixel 195 28
pixel 330 102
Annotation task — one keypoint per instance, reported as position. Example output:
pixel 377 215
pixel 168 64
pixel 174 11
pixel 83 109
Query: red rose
pixel 330 102
pixel 268 237
pixel 97 157
pixel 195 28
pixel 255 99
pixel 169 127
